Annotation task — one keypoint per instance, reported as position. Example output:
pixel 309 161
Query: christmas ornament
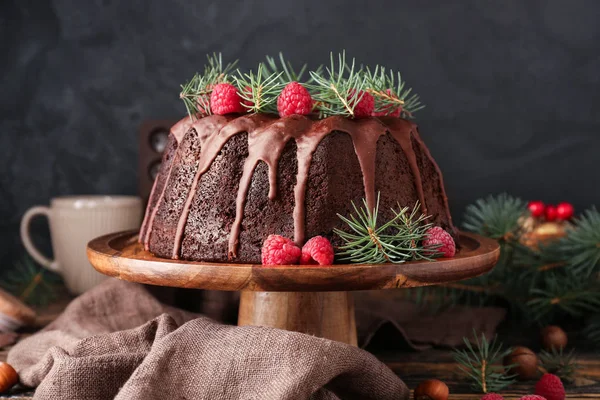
pixel 317 251
pixel 8 377
pixel 278 250
pixel 550 387
pixel 564 211
pixel 536 208
pixel 550 213
pixel 554 337
pixel 432 389
pixel 521 362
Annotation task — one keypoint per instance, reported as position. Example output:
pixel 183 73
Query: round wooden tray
pixel 309 299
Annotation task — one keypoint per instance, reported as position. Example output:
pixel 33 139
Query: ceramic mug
pixel 74 221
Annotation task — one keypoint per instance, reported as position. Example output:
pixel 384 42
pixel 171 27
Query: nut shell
pixel 526 361
pixel 8 377
pixel 432 389
pixel 554 337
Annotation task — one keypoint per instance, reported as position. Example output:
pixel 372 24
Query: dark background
pixel 512 88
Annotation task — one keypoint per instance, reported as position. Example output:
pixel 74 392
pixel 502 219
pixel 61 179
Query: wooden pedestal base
pixel 325 314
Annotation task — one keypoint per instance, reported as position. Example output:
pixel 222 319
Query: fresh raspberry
pixel 225 99
pixel 492 396
pixel 278 250
pixel 294 99
pixel 532 397
pixel 389 110
pixel 317 251
pixel 438 236
pixel 550 387
pixel 364 108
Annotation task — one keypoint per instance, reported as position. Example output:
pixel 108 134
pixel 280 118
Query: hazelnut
pixel 8 377
pixel 524 363
pixel 554 337
pixel 432 389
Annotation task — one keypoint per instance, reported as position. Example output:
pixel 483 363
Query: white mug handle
pixel 52 265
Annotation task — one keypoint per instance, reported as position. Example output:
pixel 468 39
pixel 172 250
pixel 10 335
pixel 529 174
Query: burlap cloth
pixel 118 341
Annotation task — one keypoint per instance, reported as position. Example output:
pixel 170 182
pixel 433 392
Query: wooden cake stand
pixel 311 299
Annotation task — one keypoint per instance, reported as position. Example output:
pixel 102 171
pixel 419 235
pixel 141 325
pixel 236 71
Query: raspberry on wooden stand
pixel 279 250
pixel 317 251
pixel 437 236
pixel 550 387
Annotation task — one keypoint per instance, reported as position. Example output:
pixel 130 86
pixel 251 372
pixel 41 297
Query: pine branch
pixel 338 92
pixel 592 329
pixel 482 363
pixel 30 283
pixel 259 90
pixel 391 95
pixel 559 363
pixel 395 241
pixel 288 74
pixel 582 244
pixel 195 94
pixel 496 217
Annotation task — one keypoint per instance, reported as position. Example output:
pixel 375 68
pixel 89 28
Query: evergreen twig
pixel 482 363
pixel 389 92
pixel 559 363
pixel 259 90
pixel 30 283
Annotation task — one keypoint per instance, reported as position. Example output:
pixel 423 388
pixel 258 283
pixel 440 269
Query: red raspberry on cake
pixel 364 108
pixel 550 387
pixel 437 236
pixel 317 251
pixel 532 397
pixel 389 109
pixel 225 99
pixel 279 250
pixel 492 396
pixel 294 99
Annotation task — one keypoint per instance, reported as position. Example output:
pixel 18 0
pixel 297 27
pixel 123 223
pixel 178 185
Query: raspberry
pixel 492 396
pixel 225 99
pixel 366 105
pixel 438 236
pixel 317 251
pixel 550 387
pixel 532 397
pixel 389 109
pixel 294 99
pixel 278 250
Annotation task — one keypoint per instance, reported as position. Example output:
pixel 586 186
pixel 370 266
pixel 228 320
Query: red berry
pixel 550 213
pixel 294 99
pixel 389 110
pixel 317 251
pixel 363 108
pixel 278 250
pixel 536 208
pixel 550 387
pixel 225 99
pixel 564 211
pixel 492 396
pixel 532 397
pixel 437 236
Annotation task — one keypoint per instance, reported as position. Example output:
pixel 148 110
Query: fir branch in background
pixel 496 217
pixel 30 283
pixel 390 95
pixel 559 363
pixel 260 89
pixel 482 362
pixel 592 330
pixel 396 241
pixel 288 74
pixel 196 93
pixel 582 244
pixel 339 91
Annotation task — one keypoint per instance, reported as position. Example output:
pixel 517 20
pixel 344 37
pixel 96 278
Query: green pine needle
pixel 339 91
pixel 260 89
pixel 389 93
pixel 496 217
pixel 559 363
pixel 30 283
pixel 582 244
pixel 396 241
pixel 482 364
pixel 288 74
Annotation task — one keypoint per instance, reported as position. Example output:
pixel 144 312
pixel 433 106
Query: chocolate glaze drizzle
pixel 267 137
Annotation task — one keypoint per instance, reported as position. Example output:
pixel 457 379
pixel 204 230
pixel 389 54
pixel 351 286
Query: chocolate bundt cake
pixel 228 181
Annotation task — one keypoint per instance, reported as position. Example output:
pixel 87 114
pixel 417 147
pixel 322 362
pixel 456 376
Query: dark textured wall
pixel 512 87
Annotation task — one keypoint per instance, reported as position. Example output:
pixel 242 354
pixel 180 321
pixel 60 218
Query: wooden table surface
pixel 414 367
